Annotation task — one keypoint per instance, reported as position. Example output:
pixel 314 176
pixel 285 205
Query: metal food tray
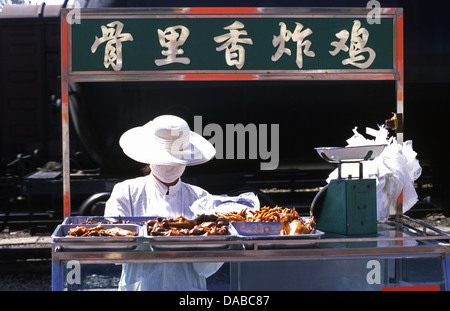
pixel 187 242
pixel 261 231
pixel 96 242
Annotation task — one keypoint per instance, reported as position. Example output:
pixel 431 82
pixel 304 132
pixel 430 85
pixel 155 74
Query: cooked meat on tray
pixel 298 226
pixel 265 214
pixel 202 225
pixel 82 231
pixel 290 221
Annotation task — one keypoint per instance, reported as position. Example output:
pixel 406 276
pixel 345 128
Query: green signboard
pixel 231 43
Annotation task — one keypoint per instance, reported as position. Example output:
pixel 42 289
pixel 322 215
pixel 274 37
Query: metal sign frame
pixel 68 75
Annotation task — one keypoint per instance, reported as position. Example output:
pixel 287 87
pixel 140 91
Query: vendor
pixel 168 146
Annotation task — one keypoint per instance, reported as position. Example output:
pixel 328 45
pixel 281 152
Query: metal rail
pixel 423 225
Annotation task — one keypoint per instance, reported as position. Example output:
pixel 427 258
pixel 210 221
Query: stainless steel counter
pixel 395 239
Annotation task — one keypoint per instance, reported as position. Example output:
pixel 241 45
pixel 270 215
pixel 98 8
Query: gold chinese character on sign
pixel 234 52
pixel 113 36
pixel 298 36
pixel 171 39
pixel 356 48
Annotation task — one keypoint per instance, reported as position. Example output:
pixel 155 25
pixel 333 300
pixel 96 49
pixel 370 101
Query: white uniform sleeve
pixel 205 269
pixel 119 202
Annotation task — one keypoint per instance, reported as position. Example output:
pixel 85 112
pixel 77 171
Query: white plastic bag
pixel 398 168
pixel 380 137
pixel 225 204
pixel 395 170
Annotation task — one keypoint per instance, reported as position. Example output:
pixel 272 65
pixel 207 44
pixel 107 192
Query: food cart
pixel 114 45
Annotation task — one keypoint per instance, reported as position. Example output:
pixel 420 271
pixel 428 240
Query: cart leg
pixel 446 266
pixel 235 268
pixel 57 275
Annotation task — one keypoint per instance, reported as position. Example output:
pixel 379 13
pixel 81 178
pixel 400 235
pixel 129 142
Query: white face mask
pixel 168 173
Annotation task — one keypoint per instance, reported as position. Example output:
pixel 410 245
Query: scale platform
pixel 350 153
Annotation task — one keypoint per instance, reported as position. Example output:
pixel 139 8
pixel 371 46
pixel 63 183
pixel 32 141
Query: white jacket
pixel 146 196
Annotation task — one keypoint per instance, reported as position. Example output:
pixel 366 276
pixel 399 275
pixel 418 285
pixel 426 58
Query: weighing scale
pixel 347 205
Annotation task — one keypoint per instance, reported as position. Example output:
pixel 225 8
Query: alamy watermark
pixel 374 275
pixel 73 272
pixel 241 141
pixel 74 15
pixel 373 17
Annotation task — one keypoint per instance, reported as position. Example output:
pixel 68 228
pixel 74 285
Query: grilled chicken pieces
pixel 297 226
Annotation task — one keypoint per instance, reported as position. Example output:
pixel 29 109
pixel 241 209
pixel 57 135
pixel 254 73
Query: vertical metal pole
pixel 65 116
pixel 400 94
pixel 400 79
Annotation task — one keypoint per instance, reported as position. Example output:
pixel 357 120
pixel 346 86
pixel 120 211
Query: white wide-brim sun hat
pixel 166 140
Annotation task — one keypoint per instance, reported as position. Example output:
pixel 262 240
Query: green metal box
pixel 349 207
